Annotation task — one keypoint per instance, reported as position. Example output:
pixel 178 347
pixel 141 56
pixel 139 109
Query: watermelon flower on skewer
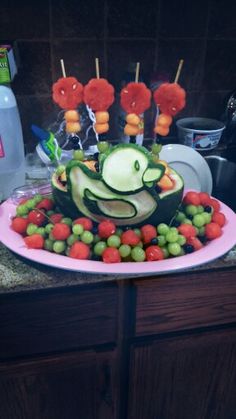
pixel 68 94
pixel 170 99
pixel 99 96
pixel 135 99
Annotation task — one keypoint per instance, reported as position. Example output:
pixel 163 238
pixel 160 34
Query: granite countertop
pixel 18 274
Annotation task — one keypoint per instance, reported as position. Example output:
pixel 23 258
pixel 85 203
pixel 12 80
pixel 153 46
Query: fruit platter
pixel 122 209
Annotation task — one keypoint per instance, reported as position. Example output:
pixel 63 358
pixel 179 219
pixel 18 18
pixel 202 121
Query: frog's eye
pixel 137 165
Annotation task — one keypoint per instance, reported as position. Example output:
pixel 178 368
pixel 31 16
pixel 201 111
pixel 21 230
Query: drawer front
pixel 56 321
pixel 182 302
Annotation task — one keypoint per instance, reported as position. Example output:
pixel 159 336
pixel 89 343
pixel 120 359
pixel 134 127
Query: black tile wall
pixel 34 69
pixel 183 19
pixel 77 19
pixel 222 23
pixel 123 52
pixel 24 19
pixel 79 58
pixel 132 19
pixel 156 32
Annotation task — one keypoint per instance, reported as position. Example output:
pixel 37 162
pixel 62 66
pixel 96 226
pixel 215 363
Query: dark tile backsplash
pixel 132 19
pixel 77 19
pixel 158 33
pixel 79 58
pixel 183 19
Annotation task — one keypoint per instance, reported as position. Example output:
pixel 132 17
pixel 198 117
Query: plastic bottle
pixel 12 156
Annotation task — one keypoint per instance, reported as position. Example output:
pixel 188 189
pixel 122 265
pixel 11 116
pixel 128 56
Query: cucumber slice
pixel 153 174
pixel 116 208
pixel 94 199
pixel 124 167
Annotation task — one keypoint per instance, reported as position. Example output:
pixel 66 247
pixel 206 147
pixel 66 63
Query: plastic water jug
pixel 12 156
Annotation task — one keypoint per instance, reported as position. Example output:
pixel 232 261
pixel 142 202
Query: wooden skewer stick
pixel 97 68
pixel 179 71
pixel 137 72
pixel 63 67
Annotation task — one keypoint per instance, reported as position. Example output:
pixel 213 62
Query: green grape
pixel 50 236
pixel 165 252
pixel 201 231
pixel 181 240
pixel 174 249
pixel 207 217
pixel 124 250
pixel 198 220
pixel 41 231
pixel 138 254
pixel 49 227
pixel 103 146
pixel 171 237
pixel 200 209
pixel 191 210
pixel 72 239
pixel 173 230
pixel 161 240
pixel 59 246
pixel 96 238
pixel 38 198
pixel 60 169
pixel 30 204
pixel 77 229
pixel 197 230
pixel 154 157
pixel 137 231
pixel 113 241
pixel 140 244
pixel 186 221
pixel 66 220
pixel 156 148
pixel 50 212
pixel 22 210
pixel 87 237
pixel 31 229
pixel 48 245
pixel 99 248
pixel 119 231
pixel 78 155
pixel 163 229
pixel 180 216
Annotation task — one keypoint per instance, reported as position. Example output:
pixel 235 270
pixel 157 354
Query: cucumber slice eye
pixel 137 165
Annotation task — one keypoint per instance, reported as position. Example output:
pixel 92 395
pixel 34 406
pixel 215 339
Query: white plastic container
pixel 12 156
pixel 200 133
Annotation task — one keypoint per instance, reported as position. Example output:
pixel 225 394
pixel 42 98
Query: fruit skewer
pixel 170 99
pixel 68 94
pixel 99 96
pixel 135 99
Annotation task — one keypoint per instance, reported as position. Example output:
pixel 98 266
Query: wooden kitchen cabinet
pixel 182 377
pixel 160 347
pixel 73 385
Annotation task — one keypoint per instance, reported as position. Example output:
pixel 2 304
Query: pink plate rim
pixel 210 252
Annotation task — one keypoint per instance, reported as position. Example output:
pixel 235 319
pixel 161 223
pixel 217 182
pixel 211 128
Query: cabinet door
pixel 184 377
pixel 72 386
